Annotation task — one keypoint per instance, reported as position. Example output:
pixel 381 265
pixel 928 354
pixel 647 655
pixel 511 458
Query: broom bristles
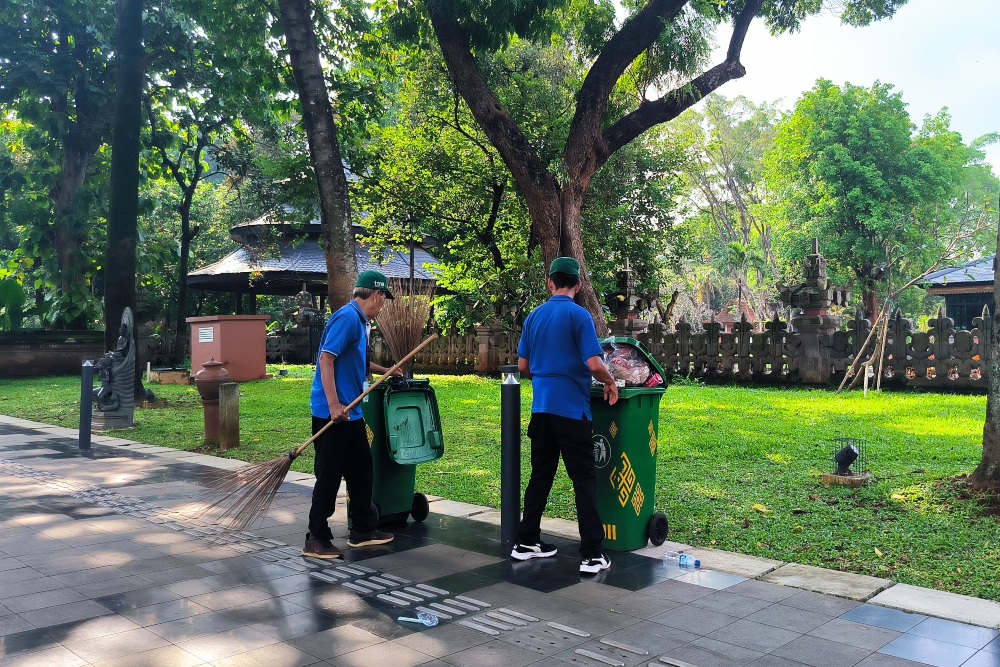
pixel 243 496
pixel 402 321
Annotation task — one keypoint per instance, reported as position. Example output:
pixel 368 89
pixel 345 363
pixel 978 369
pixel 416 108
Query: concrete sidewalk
pixel 97 567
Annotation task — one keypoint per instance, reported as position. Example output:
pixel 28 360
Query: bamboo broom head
pixel 242 497
pixel 402 321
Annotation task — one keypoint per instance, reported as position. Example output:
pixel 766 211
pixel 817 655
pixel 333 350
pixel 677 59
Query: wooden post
pixel 229 415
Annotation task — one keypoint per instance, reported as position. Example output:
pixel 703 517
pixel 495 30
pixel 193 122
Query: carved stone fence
pixel 940 357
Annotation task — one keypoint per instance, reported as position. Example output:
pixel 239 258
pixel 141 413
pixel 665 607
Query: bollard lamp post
pixel 510 455
pixel 86 403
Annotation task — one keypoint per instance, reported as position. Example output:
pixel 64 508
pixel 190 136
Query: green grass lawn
pixel 723 450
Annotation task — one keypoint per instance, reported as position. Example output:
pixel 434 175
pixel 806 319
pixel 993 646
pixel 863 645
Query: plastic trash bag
pixel 627 364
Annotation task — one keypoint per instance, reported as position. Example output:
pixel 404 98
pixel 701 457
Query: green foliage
pixel 30 227
pixel 158 248
pixel 727 221
pixel 629 217
pixel 722 450
pixel 427 158
pixel 55 62
pixel 885 203
pixel 491 23
pixel 12 300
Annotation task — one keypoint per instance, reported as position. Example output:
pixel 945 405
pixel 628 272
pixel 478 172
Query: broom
pixel 245 494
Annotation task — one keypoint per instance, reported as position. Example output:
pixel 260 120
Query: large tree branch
pixel 527 169
pixel 637 35
pixel 652 113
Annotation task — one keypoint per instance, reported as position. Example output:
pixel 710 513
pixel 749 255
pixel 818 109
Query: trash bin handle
pixel 399 364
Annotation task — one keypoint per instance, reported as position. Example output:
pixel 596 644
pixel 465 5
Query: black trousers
pixel 341 452
pixel 552 435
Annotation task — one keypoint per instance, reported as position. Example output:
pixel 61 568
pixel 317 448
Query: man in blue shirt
pixel 342 451
pixel 559 352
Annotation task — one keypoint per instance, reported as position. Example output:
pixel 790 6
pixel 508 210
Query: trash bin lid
pixel 654 366
pixel 413 424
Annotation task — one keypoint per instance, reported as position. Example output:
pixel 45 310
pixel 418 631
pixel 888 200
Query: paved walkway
pixel 98 568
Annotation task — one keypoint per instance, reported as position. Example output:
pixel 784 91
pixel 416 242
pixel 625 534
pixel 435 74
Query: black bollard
pixel 510 455
pixel 86 402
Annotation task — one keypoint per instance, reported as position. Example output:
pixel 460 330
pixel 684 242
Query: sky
pixel 935 53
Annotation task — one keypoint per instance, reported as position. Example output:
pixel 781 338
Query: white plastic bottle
pixel 682 560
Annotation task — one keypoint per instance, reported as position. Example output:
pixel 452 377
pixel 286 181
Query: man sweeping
pixel 342 451
pixel 559 352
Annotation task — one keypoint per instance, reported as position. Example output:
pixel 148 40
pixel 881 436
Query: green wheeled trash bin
pixel 625 437
pixel 404 429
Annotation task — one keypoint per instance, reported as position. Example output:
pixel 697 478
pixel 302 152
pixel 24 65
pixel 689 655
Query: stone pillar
pixel 816 339
pixel 626 304
pixel 628 327
pixel 486 355
pixel 813 322
pixel 229 415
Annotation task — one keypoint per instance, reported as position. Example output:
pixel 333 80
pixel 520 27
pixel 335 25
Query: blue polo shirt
pixel 557 339
pixel 344 337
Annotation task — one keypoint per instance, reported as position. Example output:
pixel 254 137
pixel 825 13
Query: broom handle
pixel 399 364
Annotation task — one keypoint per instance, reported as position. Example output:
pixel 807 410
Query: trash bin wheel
pixel 420 508
pixel 658 529
pixel 375 512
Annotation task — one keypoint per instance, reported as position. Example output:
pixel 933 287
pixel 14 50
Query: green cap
pixel 566 265
pixel 374 280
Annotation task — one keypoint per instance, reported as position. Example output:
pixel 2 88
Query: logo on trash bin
pixel 602 451
pixel 624 481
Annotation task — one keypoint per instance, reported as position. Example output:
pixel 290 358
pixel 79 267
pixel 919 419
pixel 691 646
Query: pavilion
pixel 298 261
pixel 966 290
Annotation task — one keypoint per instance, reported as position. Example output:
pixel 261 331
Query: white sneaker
pixel 595 565
pixel 537 550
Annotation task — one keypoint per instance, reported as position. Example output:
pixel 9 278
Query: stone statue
pixel 306 312
pixel 114 400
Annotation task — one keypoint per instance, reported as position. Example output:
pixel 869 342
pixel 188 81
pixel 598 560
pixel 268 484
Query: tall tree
pixel 191 110
pixel 181 144
pixel 123 224
pixel 987 474
pixel 661 46
pixel 324 147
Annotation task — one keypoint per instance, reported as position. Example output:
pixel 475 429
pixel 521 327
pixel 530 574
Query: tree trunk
pixel 324 149
pixel 120 262
pixel 869 301
pixel 187 235
pixel 571 245
pixel 69 236
pixel 987 474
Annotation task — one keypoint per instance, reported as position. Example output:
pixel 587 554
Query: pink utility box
pixel 238 339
